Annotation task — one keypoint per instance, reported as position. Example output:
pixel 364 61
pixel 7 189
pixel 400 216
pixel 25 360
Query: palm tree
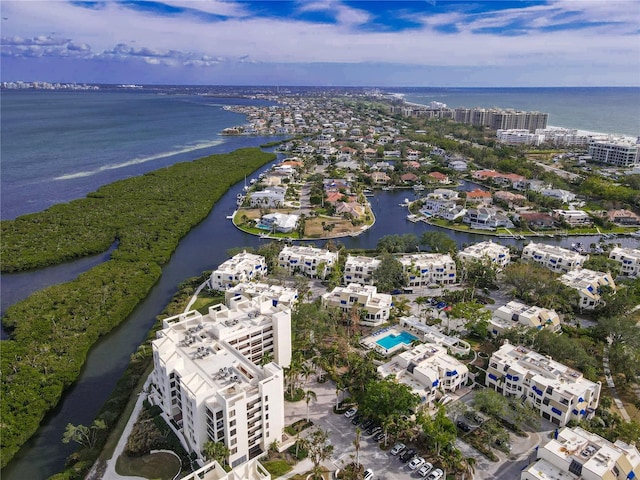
pixel 468 467
pixel 308 396
pixel 217 451
pixel 356 444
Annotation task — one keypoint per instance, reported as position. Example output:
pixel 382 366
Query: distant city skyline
pixel 324 42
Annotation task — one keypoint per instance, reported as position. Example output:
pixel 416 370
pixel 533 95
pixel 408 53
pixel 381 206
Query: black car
pixel 366 423
pixel 373 429
pixel 379 436
pixel 356 420
pixel 407 455
pixel 463 426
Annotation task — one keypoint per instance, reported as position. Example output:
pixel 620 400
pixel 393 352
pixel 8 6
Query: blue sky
pixel 324 42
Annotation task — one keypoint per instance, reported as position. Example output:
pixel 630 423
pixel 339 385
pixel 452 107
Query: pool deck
pixel 370 341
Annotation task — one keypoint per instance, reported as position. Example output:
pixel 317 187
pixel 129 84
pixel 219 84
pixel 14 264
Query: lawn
pixel 162 466
pixel 277 468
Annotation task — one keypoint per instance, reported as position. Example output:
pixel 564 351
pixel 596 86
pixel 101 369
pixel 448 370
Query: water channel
pixel 202 249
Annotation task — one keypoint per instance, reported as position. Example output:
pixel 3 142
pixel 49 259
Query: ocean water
pixel 58 146
pixel 603 109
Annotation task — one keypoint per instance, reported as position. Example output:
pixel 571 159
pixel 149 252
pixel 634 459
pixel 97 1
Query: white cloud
pixel 121 33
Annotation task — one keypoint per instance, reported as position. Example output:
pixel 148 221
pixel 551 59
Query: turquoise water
pixel 391 341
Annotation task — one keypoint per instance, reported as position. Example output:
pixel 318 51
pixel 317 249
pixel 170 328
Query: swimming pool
pixel 391 340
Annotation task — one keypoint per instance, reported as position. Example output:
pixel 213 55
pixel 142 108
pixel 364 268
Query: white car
pixel 368 474
pixel 351 412
pixel 425 469
pixel 397 448
pixel 436 474
pixel 417 462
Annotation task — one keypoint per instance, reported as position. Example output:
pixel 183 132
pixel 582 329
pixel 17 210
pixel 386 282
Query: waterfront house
pixel 278 222
pixel 573 218
pixel 439 177
pixel 536 220
pixel 485 218
pixel 380 178
pixel 272 197
pixel 623 217
pixel 409 178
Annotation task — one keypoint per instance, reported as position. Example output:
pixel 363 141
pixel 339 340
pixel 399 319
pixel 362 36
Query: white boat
pixel 635 234
pixel 418 188
pixel 367 193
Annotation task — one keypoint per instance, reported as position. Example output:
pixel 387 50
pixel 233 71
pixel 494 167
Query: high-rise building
pixel 209 377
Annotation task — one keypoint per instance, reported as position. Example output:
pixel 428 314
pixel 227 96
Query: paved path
pixel 110 472
pixel 195 296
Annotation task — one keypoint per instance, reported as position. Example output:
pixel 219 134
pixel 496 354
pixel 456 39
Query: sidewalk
pixel 110 472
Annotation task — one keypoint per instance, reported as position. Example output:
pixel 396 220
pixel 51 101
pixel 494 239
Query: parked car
pixel 407 455
pixel 366 423
pixel 368 474
pixel 463 426
pixel 374 430
pixel 436 474
pixel 356 419
pixel 351 412
pixel 398 448
pixel 417 462
pixel 503 443
pixel 379 436
pixel 425 469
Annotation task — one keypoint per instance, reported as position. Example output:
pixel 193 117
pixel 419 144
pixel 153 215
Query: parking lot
pixel 341 435
pixel 388 467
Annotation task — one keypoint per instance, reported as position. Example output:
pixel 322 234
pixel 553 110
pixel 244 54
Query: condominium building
pixel 242 267
pixel 589 285
pixel 309 261
pixel 207 376
pixel 619 152
pixel 423 269
pixel 486 252
pixel 426 368
pixel 278 294
pixel 359 269
pixel 575 453
pixel 515 314
pixel 556 259
pixel 251 470
pixel 501 119
pixel 364 297
pixel 629 258
pixel 519 136
pixel 558 392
